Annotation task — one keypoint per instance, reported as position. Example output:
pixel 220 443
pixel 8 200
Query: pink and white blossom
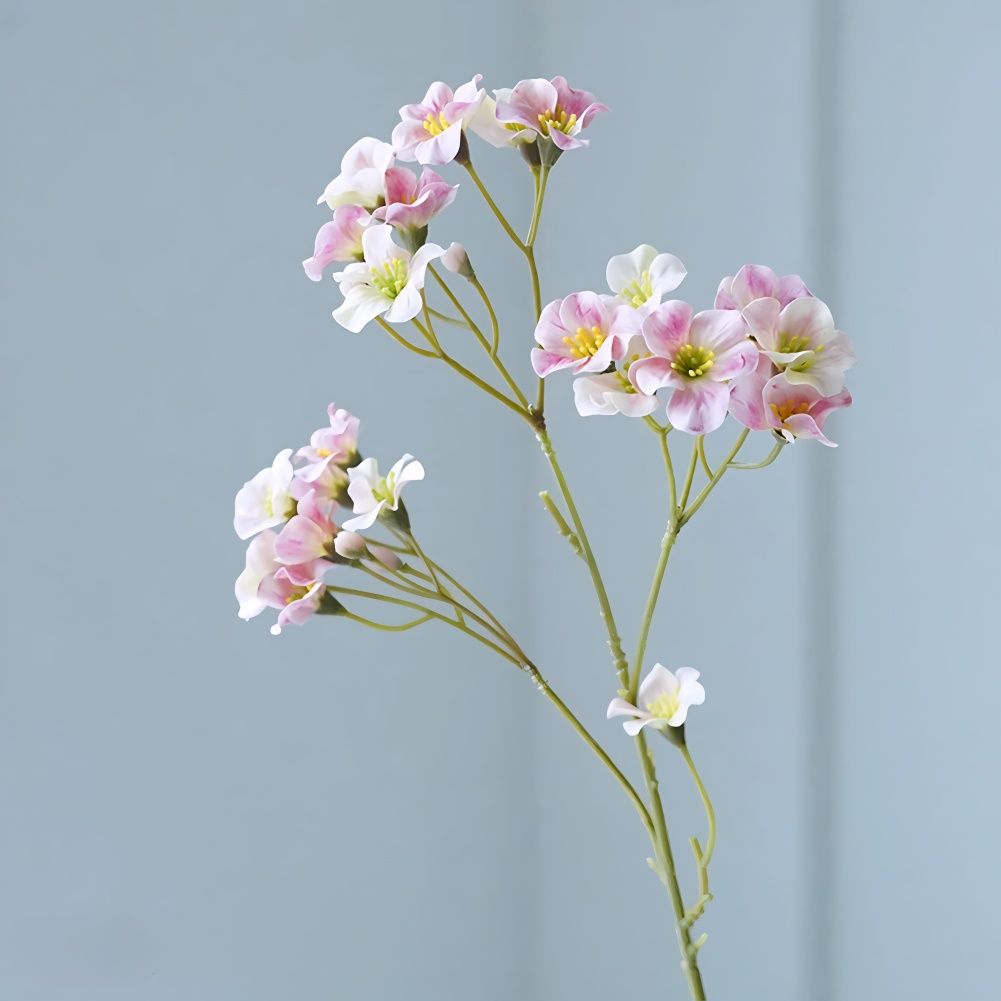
pixel 696 356
pixel 372 494
pixel 330 450
pixel 389 281
pixel 643 277
pixel 362 180
pixel 431 132
pixel 297 600
pixel 582 332
pixel 792 410
pixel 338 240
pixel 800 340
pixel 411 203
pixel 666 696
pixel 457 260
pixel 305 543
pixel 261 563
pixel 612 392
pixel 755 281
pixel 266 500
pixel 549 109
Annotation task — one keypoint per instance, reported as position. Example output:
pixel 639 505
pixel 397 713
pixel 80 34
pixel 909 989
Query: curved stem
pixel 385 627
pixel 687 489
pixel 494 325
pixel 772 456
pixel 438 315
pixel 717 476
pixel 540 197
pixel 402 340
pixel 707 803
pixel 702 456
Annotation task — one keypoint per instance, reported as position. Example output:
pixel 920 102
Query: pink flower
pixel 389 281
pixel 612 392
pixel 261 563
pixel 413 203
pixel 362 180
pixel 330 451
pixel 800 339
pixel 339 240
pixel 793 411
pixel 547 108
pixel 695 356
pixel 304 544
pixel 755 281
pixel 431 132
pixel 667 698
pixel 297 600
pixel 582 332
pixel 372 494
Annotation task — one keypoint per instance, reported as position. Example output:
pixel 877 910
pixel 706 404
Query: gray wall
pixel 190 808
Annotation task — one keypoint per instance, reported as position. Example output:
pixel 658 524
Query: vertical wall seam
pixel 822 546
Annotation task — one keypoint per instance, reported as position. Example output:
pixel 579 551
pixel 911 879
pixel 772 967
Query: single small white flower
pixel 371 493
pixel 643 277
pixel 261 563
pixel 666 696
pixel 266 500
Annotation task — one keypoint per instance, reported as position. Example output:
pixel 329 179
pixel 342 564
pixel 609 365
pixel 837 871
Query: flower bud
pixel 350 545
pixel 457 261
pixel 386 557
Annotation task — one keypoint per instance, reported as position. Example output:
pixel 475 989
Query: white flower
pixel 362 180
pixel 266 500
pixel 261 563
pixel 371 494
pixel 389 281
pixel 666 696
pixel 644 276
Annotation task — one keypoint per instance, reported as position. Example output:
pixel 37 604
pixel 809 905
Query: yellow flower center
pixel 556 119
pixel 296 594
pixel 585 343
pixel 637 292
pixel 383 490
pixel 436 124
pixel 269 504
pixel 785 410
pixel 692 361
pixel 390 276
pixel 664 706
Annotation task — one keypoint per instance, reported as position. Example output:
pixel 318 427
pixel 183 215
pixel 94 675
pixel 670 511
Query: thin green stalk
pixel 402 340
pixel 540 197
pixel 383 626
pixel 707 803
pixel 494 325
pixel 444 317
pixel 702 456
pixel 772 456
pixel 493 205
pixel 689 952
pixel 687 489
pixel 614 640
pixel 498 364
pixel 666 545
pixel 716 477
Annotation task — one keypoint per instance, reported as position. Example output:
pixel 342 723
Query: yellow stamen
pixel 692 361
pixel 436 124
pixel 585 343
pixel 785 410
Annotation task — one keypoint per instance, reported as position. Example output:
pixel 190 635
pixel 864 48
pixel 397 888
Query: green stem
pixel 402 340
pixel 614 640
pixel 702 456
pixel 384 627
pixel 498 364
pixel 772 456
pixel 687 489
pixel 716 477
pixel 707 803
pixel 494 325
pixel 493 205
pixel 438 315
pixel 540 197
pixel 666 545
pixel 689 952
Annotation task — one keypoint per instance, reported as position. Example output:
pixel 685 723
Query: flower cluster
pixel 373 197
pixel 300 494
pixel 768 352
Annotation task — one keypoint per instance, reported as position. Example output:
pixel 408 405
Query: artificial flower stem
pixel 707 803
pixel 402 340
pixel 540 197
pixel 666 545
pixel 493 205
pixel 702 456
pixel 641 809
pixel 716 477
pixel 614 640
pixel 479 604
pixel 772 456
pixel 561 523
pixel 689 952
pixel 385 627
pixel 445 318
pixel 687 488
pixel 495 326
pixel 491 351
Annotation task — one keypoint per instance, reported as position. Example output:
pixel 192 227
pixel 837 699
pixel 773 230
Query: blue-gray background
pixel 191 809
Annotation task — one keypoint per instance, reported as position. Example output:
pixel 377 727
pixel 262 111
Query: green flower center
pixel 585 343
pixel 296 594
pixel 556 119
pixel 269 504
pixel 390 276
pixel 637 292
pixel 436 124
pixel 664 706
pixel 383 490
pixel 693 361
